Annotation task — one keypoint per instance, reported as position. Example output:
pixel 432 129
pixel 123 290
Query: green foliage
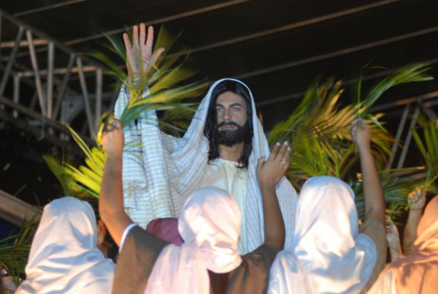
pixel 409 74
pixel 429 150
pixel 396 190
pixel 14 251
pixel 84 181
pixel 318 133
pixel 162 81
pixel 158 89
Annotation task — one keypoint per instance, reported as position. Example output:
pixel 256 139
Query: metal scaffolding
pixel 43 91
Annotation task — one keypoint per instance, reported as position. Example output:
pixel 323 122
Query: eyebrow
pixel 231 105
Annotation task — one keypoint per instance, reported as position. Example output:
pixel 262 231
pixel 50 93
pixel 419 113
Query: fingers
pixel 155 56
pixel 111 125
pixel 142 34
pixel 146 48
pixel 284 151
pixel 260 162
pixel 130 58
pixel 286 158
pixel 358 122
pixel 280 153
pixel 274 152
pixel 150 39
pixel 358 125
pixel 415 195
pixel 140 49
pixel 117 124
pixel 135 38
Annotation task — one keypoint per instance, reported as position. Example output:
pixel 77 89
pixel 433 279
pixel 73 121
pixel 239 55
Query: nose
pixel 227 116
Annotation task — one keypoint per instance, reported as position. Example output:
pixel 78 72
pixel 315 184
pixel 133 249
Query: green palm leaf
pixel 428 147
pixel 396 191
pixel 318 132
pixel 14 251
pixel 164 92
pixel 409 74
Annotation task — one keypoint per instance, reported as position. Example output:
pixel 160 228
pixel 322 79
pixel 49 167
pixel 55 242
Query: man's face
pixel 231 111
pixel 231 107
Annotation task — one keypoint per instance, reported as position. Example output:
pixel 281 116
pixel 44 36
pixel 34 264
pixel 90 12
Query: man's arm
pixel 111 207
pixel 372 189
pixel 269 173
pixel 142 137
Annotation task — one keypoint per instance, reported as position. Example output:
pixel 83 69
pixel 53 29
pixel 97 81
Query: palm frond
pixel 57 168
pixel 14 251
pixel 318 131
pixel 395 189
pixel 409 74
pixel 428 147
pixel 159 89
pixel 318 128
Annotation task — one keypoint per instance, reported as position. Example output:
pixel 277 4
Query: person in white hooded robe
pixel 157 184
pixel 64 257
pixel 329 253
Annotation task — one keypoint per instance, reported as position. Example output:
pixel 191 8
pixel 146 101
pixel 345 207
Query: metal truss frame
pixel 50 84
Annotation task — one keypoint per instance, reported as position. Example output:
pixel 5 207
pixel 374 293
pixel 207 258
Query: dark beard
pixel 231 137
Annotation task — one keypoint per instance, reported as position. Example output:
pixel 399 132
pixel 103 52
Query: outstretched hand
pixel 139 56
pixel 270 172
pixel 112 138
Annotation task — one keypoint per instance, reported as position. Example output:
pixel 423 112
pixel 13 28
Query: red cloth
pixel 166 229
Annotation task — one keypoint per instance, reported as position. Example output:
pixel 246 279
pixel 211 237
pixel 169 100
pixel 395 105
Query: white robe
pixel 210 226
pixel 328 254
pixel 64 257
pixel 163 171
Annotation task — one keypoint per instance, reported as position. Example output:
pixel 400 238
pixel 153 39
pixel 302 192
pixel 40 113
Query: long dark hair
pixel 210 128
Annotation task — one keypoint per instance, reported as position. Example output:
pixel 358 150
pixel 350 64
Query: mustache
pixel 229 123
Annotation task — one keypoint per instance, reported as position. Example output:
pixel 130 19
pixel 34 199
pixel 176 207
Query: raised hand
pixel 112 138
pixel 417 199
pixel 139 56
pixel 361 133
pixel 270 172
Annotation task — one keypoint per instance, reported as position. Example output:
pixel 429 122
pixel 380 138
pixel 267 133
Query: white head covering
pixel 210 227
pixel 64 257
pixel 328 254
pixel 155 188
